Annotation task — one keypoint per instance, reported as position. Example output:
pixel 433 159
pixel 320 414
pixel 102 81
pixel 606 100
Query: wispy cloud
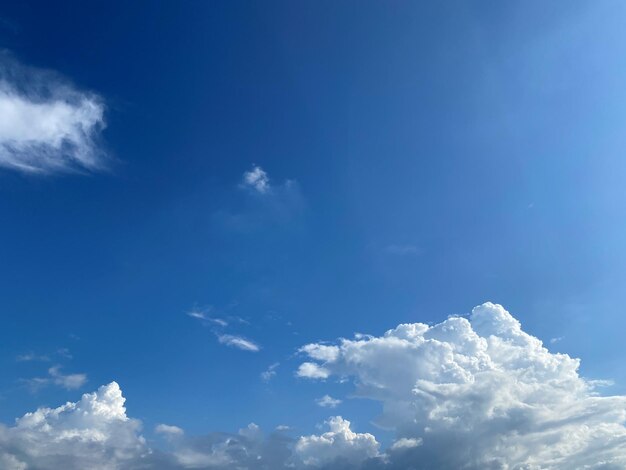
pixel 270 372
pixel 56 377
pixel 46 124
pixel 32 357
pixel 204 314
pixel 239 342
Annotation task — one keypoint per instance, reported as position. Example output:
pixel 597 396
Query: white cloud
pixel 406 443
pixel 463 394
pixel 320 352
pixel 482 393
pixel 270 372
pixel 47 125
pixel 197 314
pixel 256 180
pixel 311 370
pixel 238 342
pixel 168 430
pixel 67 381
pixel 56 377
pixel 340 443
pixel 203 314
pixel 93 433
pixel 328 402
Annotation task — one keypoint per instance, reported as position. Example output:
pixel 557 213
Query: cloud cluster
pixel 467 394
pixel 93 433
pixel 340 445
pixel 478 393
pixel 47 125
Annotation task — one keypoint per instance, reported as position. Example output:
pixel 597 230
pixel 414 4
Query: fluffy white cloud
pixel 482 393
pixel 93 433
pixel 328 402
pixel 320 352
pixel 311 370
pixel 238 342
pixel 339 444
pixel 47 125
pixel 466 394
pixel 168 430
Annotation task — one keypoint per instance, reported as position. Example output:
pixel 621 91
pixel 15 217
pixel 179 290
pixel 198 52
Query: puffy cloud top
pixel 466 394
pixel 482 393
pixel 340 443
pixel 93 433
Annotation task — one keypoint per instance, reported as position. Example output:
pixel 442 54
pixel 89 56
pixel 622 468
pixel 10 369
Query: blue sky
pixel 292 173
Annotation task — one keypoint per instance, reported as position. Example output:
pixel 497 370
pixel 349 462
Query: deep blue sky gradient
pixel 442 154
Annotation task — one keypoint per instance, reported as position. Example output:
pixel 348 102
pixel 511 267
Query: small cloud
pixel 556 340
pixel 238 342
pixel 256 180
pixel 56 377
pixel 64 353
pixel 268 374
pixel 203 314
pixel 283 427
pixel 30 357
pixel 265 205
pixel 402 250
pixel 67 381
pixel 310 370
pixel 196 314
pixel 169 431
pixel 406 443
pixel 328 402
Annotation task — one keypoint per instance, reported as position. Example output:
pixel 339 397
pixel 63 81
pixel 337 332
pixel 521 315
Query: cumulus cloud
pixel 340 443
pixel 46 124
pixel 311 370
pixel 464 394
pixel 328 402
pixel 239 342
pixel 482 393
pixel 92 433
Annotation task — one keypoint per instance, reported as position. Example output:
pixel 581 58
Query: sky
pixel 331 234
